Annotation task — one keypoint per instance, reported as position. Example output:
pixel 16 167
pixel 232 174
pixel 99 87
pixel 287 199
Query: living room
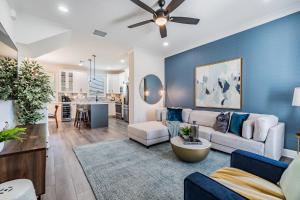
pixel 193 99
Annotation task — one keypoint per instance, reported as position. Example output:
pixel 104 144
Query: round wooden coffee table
pixel 190 153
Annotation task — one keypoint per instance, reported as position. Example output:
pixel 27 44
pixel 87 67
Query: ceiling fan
pixel 162 16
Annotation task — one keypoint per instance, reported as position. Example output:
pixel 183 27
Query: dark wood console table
pixel 27 159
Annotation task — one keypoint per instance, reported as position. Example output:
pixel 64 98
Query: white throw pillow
pixel 262 126
pixel 290 180
pixel 248 128
pixel 203 118
pixel 186 115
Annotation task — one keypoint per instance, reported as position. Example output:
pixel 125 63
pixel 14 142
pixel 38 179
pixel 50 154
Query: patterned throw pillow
pixel 222 122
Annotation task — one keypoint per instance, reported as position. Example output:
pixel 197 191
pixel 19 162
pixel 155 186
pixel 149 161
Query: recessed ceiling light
pixel 122 61
pixel 63 9
pixel 166 44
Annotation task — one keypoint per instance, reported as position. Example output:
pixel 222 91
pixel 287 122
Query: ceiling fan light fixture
pixel 161 21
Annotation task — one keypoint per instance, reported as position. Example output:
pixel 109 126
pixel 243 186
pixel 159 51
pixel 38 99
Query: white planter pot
pixel 1 146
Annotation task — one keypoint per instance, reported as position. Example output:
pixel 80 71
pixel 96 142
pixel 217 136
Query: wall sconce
pixel 147 93
pixel 162 92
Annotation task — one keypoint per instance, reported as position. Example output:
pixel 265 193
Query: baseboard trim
pixel 289 153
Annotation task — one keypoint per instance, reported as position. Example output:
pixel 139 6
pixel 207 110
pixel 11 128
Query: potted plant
pixel 185 132
pixel 8 78
pixel 10 134
pixel 34 92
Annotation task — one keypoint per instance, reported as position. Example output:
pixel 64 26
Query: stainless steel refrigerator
pixel 126 104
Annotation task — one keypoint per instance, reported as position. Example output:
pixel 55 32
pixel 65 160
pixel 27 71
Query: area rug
pixel 126 170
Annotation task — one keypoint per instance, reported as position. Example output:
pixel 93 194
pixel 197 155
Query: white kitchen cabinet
pixel 126 74
pixel 113 84
pixel 80 82
pixel 66 81
pixel 112 109
pixel 73 81
pixel 122 79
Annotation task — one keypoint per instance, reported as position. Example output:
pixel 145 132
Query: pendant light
pixel 90 60
pixel 94 67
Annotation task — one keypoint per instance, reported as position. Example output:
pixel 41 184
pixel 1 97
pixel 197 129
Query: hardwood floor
pixel 65 179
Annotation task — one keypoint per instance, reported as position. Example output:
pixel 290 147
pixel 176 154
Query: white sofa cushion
pixel 203 118
pixel 205 132
pixel 186 115
pixel 248 128
pixel 262 126
pixel 275 142
pixel 236 142
pixel 148 130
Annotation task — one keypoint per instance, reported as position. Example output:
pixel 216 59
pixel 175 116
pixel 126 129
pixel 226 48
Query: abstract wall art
pixel 219 85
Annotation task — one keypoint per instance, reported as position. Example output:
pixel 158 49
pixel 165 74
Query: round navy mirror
pixel 151 89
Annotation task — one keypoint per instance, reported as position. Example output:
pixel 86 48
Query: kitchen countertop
pixel 85 103
pixel 91 103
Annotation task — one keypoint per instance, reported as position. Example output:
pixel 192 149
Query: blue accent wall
pixel 271 70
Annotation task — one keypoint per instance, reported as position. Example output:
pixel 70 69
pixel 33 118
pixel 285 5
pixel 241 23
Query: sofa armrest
pixel 275 141
pixel 263 167
pixel 200 187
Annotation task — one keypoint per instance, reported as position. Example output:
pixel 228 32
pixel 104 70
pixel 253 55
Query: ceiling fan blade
pixel 163 31
pixel 173 5
pixel 185 20
pixel 140 23
pixel 144 6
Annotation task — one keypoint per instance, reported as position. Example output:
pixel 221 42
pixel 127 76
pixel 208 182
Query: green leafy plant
pixel 186 131
pixel 12 134
pixel 8 78
pixel 33 92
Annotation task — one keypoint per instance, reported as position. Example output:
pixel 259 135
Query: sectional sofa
pixel 267 140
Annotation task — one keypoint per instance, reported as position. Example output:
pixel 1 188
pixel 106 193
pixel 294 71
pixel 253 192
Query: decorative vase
pixel 195 129
pixel 1 146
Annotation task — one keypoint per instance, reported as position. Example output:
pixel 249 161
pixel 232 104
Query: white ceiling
pixel 219 18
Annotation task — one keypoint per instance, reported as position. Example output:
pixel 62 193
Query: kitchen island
pixel 98 113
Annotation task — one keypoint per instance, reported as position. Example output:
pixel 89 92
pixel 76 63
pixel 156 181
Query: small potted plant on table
pixel 10 134
pixel 185 133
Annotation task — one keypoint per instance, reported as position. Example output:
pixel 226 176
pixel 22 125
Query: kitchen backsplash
pixel 79 97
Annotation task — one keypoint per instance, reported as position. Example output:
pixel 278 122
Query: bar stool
pixel 82 116
pixel 54 115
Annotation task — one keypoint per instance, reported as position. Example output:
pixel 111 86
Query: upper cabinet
pixel 80 83
pixel 66 81
pixel 116 82
pixel 113 84
pixel 73 81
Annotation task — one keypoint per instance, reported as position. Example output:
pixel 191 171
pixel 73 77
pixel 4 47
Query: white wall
pixel 7 114
pixel 6 107
pixel 142 63
pixel 5 18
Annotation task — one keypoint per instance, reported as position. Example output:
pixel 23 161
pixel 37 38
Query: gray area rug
pixel 126 170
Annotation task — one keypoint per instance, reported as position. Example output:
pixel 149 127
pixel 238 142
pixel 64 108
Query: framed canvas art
pixel 219 85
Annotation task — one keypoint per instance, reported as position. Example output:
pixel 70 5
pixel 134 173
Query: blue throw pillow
pixel 175 114
pixel 236 123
